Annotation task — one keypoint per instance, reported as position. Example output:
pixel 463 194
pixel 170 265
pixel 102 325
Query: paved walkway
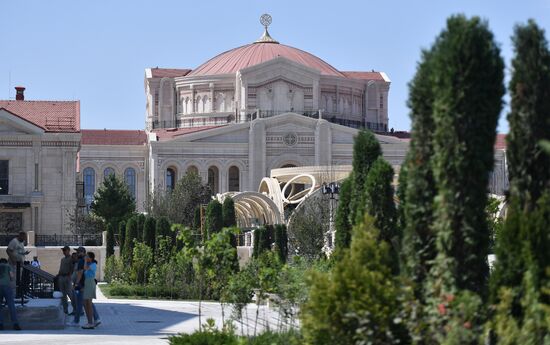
pixel 136 322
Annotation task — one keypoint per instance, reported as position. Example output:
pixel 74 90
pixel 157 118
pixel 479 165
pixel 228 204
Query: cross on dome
pixel 265 20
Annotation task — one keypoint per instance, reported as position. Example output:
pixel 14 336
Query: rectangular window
pixel 381 102
pixel 35 176
pixel 4 176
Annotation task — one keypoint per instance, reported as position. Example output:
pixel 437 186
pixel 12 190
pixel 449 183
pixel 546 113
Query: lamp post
pixel 331 189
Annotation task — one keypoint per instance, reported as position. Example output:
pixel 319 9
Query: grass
pixel 124 291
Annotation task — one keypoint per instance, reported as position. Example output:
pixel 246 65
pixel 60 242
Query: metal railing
pixel 68 240
pixel 249 115
pixel 5 239
pixel 32 282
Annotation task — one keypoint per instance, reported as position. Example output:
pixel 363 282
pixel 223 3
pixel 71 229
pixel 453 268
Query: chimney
pixel 19 93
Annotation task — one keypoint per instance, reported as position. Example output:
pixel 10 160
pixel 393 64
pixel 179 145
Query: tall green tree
pixel 366 149
pixel 131 237
pixel 379 203
pixel 163 228
pixel 529 118
pixel 419 190
pixel 110 240
pixel 149 232
pixel 342 222
pixel 112 201
pixel 179 205
pixel 280 238
pixel 468 90
pixel 521 243
pixel 141 222
pixel 121 235
pixel 228 213
pixel 213 220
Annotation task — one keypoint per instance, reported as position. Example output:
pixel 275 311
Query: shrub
pixel 357 302
pixel 213 221
pixel 149 232
pixel 115 270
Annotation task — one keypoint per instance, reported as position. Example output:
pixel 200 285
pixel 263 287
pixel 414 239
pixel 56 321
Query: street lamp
pixel 332 189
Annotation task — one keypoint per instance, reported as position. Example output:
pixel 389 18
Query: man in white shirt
pixel 16 253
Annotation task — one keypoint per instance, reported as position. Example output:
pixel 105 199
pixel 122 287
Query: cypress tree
pixel 162 228
pixel 262 240
pixel 131 237
pixel 149 232
pixel 213 222
pixel 110 239
pixel 197 223
pixel 366 149
pixel 400 193
pixel 228 213
pixel 418 192
pixel 468 90
pixel 522 244
pixel 529 118
pixel 281 242
pixel 140 223
pixel 380 204
pixel 341 219
pixel 121 236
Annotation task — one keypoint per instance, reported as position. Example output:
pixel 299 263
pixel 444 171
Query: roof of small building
pixel 113 137
pixel 500 142
pixel 171 133
pixel 51 116
pixel 363 75
pixel 168 72
pixel 252 54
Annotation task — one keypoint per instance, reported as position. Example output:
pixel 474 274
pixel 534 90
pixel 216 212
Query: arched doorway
pixel 233 179
pixel 170 179
pixel 213 179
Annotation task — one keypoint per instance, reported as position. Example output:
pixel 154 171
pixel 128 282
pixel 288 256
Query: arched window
pixel 192 170
pixel 130 179
pixel 213 177
pixel 89 186
pixel 170 179
pixel 234 179
pixel 108 171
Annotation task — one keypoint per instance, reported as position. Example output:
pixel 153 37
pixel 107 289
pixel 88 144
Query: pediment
pixel 238 136
pixel 12 124
pixel 280 68
pixel 232 134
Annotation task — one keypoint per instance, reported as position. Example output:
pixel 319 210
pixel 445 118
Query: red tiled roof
pixel 363 75
pixel 252 54
pixel 500 142
pixel 168 72
pixel 113 137
pixel 52 116
pixel 171 133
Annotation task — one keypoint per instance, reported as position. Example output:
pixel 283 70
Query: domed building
pixel 251 109
pixel 263 79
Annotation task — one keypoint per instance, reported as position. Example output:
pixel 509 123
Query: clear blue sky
pixel 96 51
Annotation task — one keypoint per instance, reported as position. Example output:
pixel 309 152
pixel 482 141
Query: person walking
pixel 16 254
pixel 89 289
pixel 6 293
pixel 64 279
